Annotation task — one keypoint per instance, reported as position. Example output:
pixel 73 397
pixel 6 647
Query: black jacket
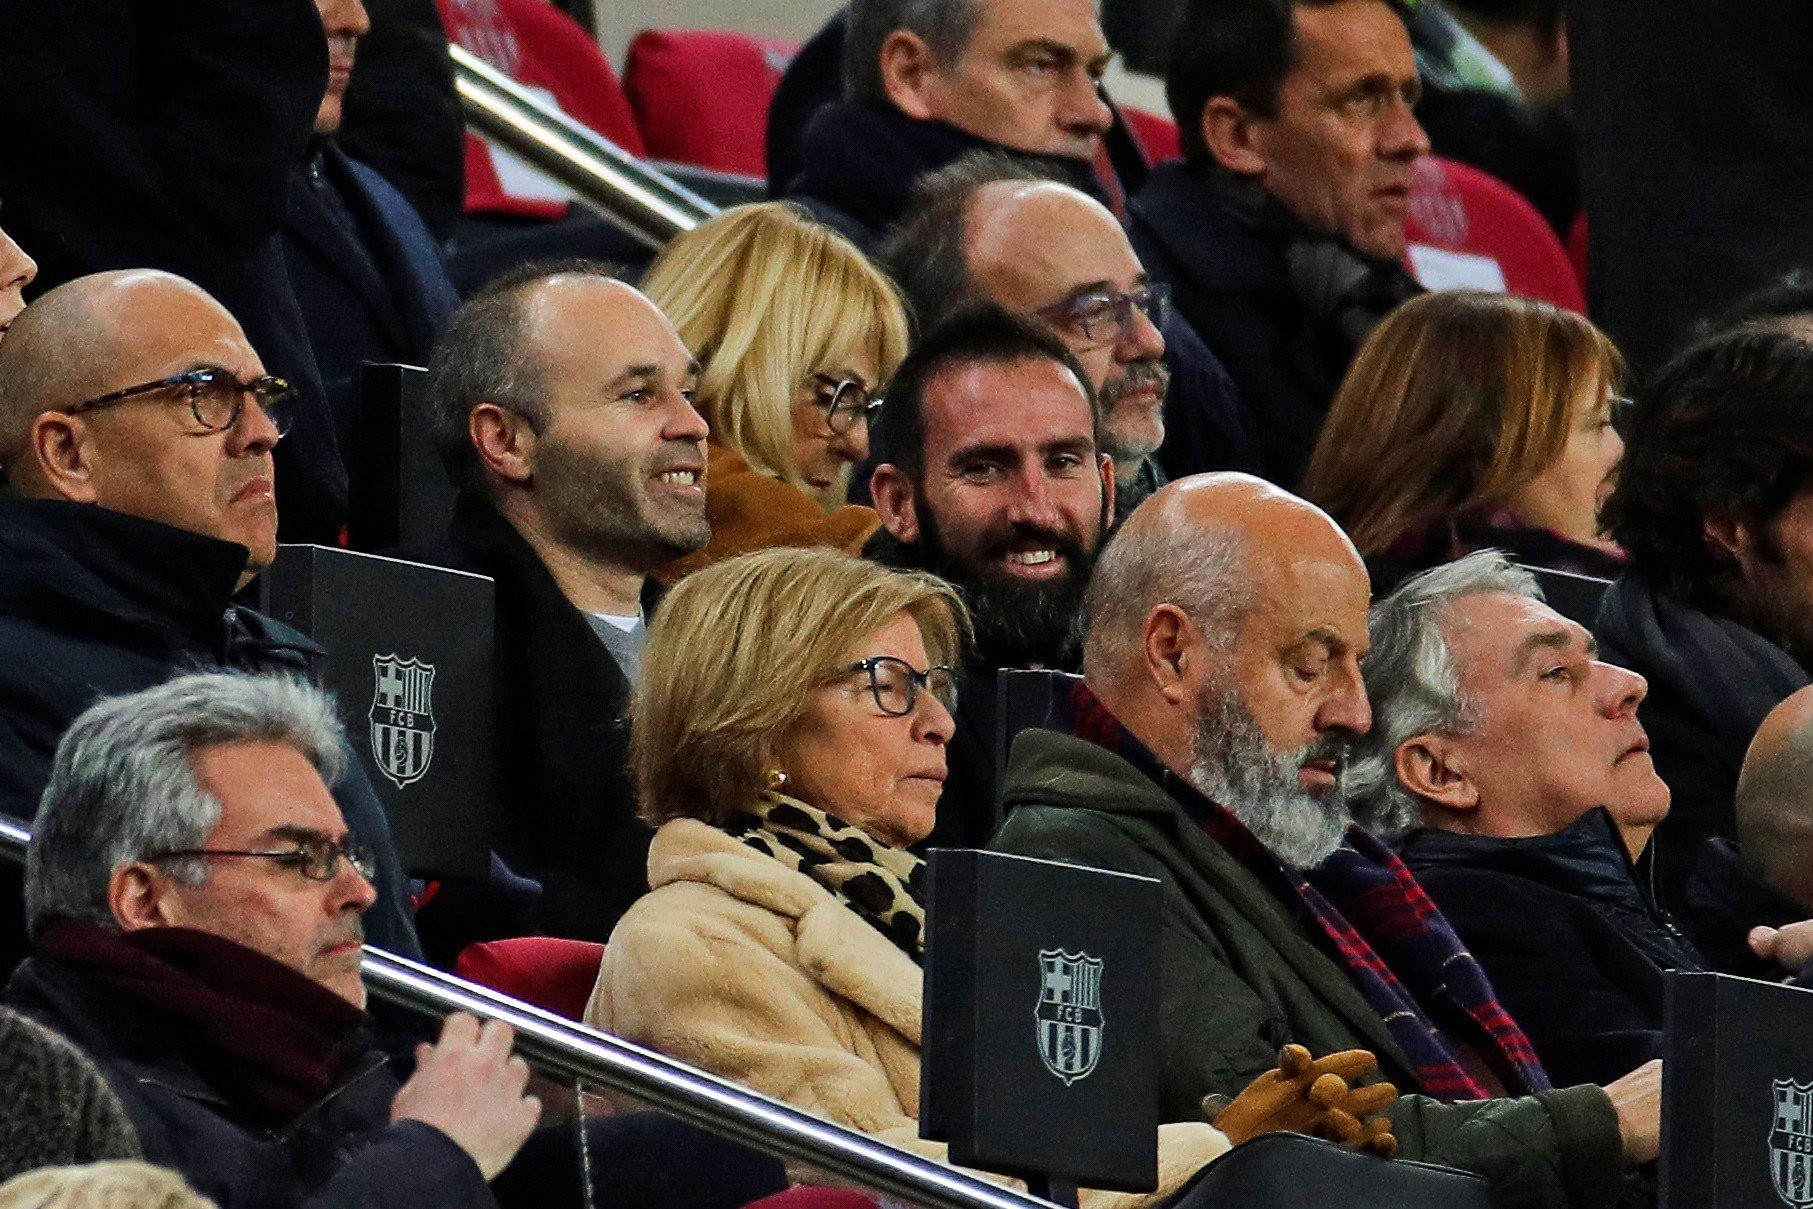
pixel 1283 310
pixel 368 275
pixel 1723 901
pixel 562 742
pixel 343 1153
pixel 1573 946
pixel 95 603
pixel 1711 684
pixel 141 134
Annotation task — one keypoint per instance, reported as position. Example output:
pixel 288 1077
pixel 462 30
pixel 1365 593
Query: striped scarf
pixel 1366 911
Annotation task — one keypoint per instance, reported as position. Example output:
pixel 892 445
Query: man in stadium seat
pixel 562 405
pixel 1515 758
pixel 1714 505
pixel 1227 620
pixel 926 82
pixel 368 275
pixel 992 228
pixel 136 437
pixel 988 474
pixel 195 898
pixel 1281 229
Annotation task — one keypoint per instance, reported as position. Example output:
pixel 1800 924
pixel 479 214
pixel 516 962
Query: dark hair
pixel 981 334
pixel 925 252
pixel 1788 297
pixel 1725 431
pixel 944 26
pixel 1230 48
pixel 481 357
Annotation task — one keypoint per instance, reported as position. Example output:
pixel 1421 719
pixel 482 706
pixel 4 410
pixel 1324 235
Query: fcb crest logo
pixel 1791 1142
pixel 1069 1015
pixel 402 717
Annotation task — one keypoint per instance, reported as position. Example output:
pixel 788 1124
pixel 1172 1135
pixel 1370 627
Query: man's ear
pixel 136 896
pixel 1107 468
pixel 59 451
pixel 891 491
pixel 909 74
pixel 503 441
pixel 1228 131
pixel 1731 535
pixel 1431 771
pixel 1169 643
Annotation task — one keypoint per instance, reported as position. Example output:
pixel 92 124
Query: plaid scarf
pixel 1365 909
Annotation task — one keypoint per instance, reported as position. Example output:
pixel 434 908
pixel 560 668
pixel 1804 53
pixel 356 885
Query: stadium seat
pixel 548 52
pixel 701 96
pixel 554 974
pixel 1157 135
pixel 1468 228
pixel 815 1198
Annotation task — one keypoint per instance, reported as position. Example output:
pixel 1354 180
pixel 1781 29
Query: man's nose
pixel 1081 109
pixel 684 421
pixel 1403 136
pixel 1034 502
pixel 1622 690
pixel 254 432
pixel 1346 707
pixel 1141 340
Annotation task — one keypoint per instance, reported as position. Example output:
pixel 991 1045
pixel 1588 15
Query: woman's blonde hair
pixel 735 653
pixel 1456 400
pixel 764 296
pixel 122 1184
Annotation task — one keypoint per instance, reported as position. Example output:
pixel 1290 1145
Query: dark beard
pixel 1236 767
pixel 1017 624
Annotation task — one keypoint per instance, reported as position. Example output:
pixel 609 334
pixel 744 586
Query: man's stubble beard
pixel 1129 451
pixel 1235 766
pixel 596 507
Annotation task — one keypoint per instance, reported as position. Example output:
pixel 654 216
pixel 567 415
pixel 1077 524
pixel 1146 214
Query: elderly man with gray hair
pixel 1516 753
pixel 194 899
pixel 1222 691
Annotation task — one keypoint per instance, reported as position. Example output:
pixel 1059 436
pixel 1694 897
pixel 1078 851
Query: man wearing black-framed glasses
pixel 136 434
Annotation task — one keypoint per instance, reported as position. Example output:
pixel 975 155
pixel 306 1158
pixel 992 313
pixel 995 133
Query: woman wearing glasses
pixel 795 331
pixel 1473 420
pixel 789 745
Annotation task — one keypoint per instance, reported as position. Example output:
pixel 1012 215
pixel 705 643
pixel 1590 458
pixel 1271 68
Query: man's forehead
pixel 1046 241
pixel 599 328
pixel 266 789
pixel 1345 42
pixel 168 330
pixel 1074 24
pixel 1027 403
pixel 1498 632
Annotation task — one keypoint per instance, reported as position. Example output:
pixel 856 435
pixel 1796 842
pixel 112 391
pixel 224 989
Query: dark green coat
pixel 1241 978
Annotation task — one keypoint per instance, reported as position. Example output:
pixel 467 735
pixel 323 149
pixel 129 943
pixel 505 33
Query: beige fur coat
pixel 739 965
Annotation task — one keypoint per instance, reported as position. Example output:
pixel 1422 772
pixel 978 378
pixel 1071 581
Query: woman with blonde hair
pixel 795 332
pixel 1472 420
pixel 789 745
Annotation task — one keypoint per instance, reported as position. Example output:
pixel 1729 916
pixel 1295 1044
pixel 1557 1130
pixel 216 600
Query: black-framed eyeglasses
pixel 846 402
pixel 216 397
pixel 316 858
pixel 895 684
pixel 1106 317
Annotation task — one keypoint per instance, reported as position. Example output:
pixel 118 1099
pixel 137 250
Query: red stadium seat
pixel 701 96
pixel 1576 248
pixel 544 50
pixel 814 1198
pixel 549 972
pixel 1157 135
pixel 1480 222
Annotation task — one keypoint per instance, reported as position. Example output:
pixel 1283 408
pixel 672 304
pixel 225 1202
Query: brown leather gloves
pixel 1317 1097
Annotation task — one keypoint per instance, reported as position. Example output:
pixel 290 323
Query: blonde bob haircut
pixel 765 296
pixel 735 653
pixel 1456 400
pixel 116 1184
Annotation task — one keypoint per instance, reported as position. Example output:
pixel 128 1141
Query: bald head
pixel 1775 800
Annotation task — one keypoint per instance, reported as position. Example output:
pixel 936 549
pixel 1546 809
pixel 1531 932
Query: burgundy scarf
pixel 270 1039
pixel 1367 912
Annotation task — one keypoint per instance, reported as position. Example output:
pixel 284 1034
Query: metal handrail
pixel 645 202
pixel 559 1047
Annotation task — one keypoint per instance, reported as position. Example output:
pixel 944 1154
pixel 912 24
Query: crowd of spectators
pixel 766 519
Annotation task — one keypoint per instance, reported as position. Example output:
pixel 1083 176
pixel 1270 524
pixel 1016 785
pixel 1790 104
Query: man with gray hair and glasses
pixel 1516 754
pixel 194 898
pixel 136 435
pixel 1207 748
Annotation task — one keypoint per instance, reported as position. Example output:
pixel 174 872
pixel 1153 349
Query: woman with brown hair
pixel 795 332
pixel 1472 420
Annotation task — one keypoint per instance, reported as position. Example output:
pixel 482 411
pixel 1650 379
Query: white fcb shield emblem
pixel 1069 1015
pixel 402 717
pixel 1791 1142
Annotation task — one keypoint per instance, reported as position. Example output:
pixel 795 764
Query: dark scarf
pixel 864 159
pixel 1730 674
pixel 1368 914
pixel 271 1040
pixel 886 886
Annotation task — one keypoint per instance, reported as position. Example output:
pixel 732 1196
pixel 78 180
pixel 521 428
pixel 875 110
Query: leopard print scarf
pixel 883 885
